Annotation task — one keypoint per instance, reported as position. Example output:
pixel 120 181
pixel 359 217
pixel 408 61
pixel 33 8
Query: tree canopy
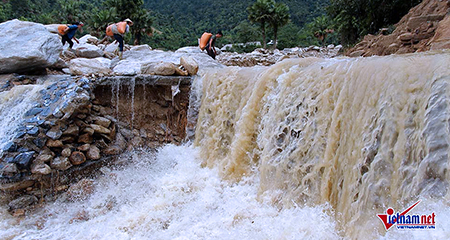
pixel 171 24
pixel 356 18
pixel 259 13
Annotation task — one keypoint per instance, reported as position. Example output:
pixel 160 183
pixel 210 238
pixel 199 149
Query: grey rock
pixel 22 202
pixel 10 147
pixel 100 129
pixel 85 66
pixel 159 68
pixel 33 131
pixel 88 51
pixel 9 169
pixel 93 153
pixel 101 121
pixel 23 160
pixel 72 130
pixel 54 133
pixel 112 150
pixel 66 152
pixel 33 112
pixel 41 168
pixel 40 142
pixel 60 163
pixel 189 64
pixel 26 46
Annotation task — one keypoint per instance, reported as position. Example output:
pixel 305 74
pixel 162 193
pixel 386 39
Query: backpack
pixel 62 29
pixel 203 41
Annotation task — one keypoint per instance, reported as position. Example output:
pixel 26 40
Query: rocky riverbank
pixel 264 57
pixel 97 108
pixel 79 124
pixel 424 28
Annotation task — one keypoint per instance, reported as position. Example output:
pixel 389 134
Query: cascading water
pixel 305 149
pixel 115 90
pixel 360 134
pixel 13 105
pixel 195 101
pixel 131 88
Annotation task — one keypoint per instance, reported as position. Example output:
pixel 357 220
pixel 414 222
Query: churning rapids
pixel 305 149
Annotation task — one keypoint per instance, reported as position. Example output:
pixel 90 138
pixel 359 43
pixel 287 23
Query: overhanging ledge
pixel 146 79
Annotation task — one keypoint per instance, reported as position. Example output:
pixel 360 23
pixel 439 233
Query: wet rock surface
pixel 27 46
pixel 266 57
pixel 80 124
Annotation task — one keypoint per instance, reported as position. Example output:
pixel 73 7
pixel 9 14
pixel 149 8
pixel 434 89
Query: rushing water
pixel 13 105
pixel 359 134
pixel 170 196
pixel 305 149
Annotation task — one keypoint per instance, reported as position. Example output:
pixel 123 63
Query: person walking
pixel 118 30
pixel 68 32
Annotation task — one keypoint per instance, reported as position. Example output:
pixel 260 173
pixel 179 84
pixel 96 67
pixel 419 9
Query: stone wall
pixel 81 124
pixel 150 110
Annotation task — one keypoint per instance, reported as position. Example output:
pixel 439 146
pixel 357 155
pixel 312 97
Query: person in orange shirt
pixel 118 30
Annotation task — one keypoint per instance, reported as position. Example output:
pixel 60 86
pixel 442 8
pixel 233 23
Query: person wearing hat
pixel 119 29
pixel 69 33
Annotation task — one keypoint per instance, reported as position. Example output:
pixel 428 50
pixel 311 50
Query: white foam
pixel 170 196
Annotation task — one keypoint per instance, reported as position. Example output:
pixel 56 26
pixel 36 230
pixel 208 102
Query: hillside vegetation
pixel 183 21
pixel 178 23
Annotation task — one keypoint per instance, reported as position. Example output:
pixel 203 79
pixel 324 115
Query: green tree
pixel 245 32
pixel 133 9
pixel 99 21
pixel 279 16
pixel 260 13
pixel 356 18
pixel 320 28
pixel 69 11
pixel 5 11
pixel 289 36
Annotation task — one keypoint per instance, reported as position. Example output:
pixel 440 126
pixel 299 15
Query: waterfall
pixel 13 106
pixel 362 134
pixel 195 100
pixel 131 90
pixel 305 149
pixel 115 90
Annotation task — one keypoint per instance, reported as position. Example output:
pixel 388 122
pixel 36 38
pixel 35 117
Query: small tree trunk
pixel 137 38
pixel 264 37
pixel 275 33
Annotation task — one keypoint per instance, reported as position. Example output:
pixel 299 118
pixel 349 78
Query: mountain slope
pixel 184 21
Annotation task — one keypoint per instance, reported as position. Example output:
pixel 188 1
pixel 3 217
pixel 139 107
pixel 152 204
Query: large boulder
pixel 88 51
pixel 27 46
pixel 189 64
pixel 127 68
pixel 441 39
pixel 111 47
pixel 85 66
pixel 189 50
pixel 88 39
pixel 159 68
pixel 142 60
pixel 53 28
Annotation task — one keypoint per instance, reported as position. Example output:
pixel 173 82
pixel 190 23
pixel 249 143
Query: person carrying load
pixel 118 30
pixel 208 41
pixel 68 32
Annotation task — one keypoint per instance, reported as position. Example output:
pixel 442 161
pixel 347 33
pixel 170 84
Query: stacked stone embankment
pixel 78 125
